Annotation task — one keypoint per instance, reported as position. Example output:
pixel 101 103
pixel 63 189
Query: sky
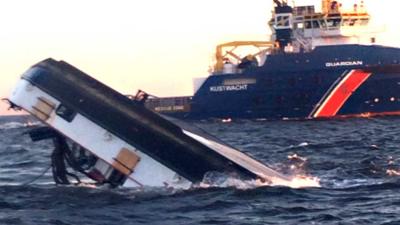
pixel 155 45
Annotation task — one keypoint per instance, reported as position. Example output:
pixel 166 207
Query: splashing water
pixel 15 125
pixel 299 177
pixel 222 180
pixel 298 181
pixel 295 167
pixel 392 172
pixel 12 125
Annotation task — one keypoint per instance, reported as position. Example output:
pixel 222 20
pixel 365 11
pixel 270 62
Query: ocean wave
pixel 15 125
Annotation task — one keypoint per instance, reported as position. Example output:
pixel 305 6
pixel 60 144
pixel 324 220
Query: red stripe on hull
pixel 338 97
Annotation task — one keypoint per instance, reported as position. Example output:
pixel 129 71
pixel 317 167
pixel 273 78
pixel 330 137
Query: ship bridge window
pixel 308 25
pixel 283 21
pixel 315 24
pixel 323 23
pixel 333 23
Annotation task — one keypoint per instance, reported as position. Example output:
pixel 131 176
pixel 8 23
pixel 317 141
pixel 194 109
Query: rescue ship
pixel 318 64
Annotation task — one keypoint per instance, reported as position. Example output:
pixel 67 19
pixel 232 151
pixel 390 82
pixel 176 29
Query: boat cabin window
pixel 65 112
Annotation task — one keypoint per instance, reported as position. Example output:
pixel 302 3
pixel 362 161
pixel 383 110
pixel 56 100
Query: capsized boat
pixel 317 64
pixel 114 139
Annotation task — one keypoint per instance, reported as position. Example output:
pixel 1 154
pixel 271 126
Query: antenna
pixel 280 3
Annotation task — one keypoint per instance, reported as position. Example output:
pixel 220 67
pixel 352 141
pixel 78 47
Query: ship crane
pixel 225 51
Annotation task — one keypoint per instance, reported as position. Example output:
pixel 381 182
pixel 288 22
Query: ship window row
pixel 331 23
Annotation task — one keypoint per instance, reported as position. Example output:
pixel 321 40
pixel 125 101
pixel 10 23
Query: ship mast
pixel 283 24
pixel 279 3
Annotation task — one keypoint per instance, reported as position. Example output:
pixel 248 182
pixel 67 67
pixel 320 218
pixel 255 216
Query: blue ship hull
pixel 330 81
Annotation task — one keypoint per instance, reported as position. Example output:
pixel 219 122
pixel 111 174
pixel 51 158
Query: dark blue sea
pixel 356 160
